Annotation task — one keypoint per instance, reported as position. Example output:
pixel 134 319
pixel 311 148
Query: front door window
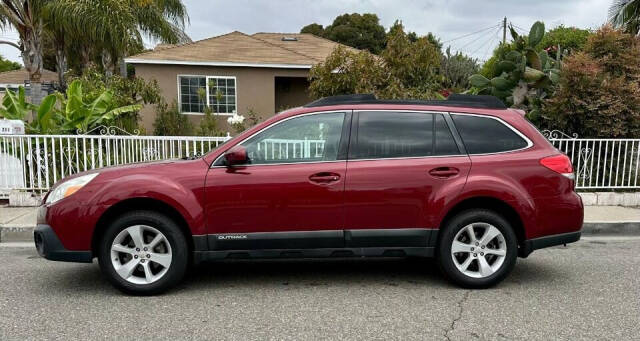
pixel 310 138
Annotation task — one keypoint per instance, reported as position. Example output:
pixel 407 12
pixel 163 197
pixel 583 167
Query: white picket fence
pixel 603 163
pixel 36 162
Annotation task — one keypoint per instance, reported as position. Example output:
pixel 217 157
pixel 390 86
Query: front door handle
pixel 324 177
pixel 444 172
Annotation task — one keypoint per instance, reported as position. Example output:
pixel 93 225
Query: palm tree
pixel 625 14
pixel 26 17
pixel 112 28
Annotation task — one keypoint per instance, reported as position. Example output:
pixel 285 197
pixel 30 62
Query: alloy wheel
pixel 478 250
pixel 141 254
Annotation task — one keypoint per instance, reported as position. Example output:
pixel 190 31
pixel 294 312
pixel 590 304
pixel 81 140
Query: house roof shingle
pixel 249 50
pixel 21 75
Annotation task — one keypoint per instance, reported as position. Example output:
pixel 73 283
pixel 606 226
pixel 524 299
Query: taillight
pixel 560 164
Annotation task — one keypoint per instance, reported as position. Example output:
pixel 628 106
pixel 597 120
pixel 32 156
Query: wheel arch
pixel 496 205
pixel 136 204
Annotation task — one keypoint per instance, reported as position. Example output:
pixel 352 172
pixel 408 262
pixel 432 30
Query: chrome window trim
pixel 410 157
pixel 524 137
pixel 274 124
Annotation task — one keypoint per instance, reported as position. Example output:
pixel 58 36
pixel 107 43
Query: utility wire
pixel 471 44
pixel 491 37
pixel 486 52
pixel 472 47
pixel 470 34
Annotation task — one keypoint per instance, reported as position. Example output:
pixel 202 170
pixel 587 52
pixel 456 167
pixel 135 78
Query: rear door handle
pixel 444 172
pixel 324 177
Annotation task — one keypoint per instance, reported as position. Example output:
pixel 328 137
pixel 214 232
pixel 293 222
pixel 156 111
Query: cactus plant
pixel 526 74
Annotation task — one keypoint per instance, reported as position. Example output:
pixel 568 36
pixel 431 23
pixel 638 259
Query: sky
pixel 448 20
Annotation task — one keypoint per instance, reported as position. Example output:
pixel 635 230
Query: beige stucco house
pixel 15 78
pixel 263 72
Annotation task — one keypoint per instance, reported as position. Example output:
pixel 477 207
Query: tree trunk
pixel 32 59
pixel 123 67
pixel 61 65
pixel 107 63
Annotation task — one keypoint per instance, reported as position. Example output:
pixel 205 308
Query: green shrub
pixel 125 91
pixel 456 70
pixel 599 92
pixel 170 122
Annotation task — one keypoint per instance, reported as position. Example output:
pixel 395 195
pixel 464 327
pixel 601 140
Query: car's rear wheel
pixel 477 248
pixel 143 253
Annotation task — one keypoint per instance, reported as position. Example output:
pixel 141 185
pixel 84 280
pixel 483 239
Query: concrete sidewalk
pixel 17 223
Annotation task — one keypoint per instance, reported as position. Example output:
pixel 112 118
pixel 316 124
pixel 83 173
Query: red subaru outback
pixel 465 180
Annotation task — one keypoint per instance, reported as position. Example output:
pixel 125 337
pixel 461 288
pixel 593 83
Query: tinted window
pixel 483 135
pixel 445 144
pixel 303 139
pixel 394 134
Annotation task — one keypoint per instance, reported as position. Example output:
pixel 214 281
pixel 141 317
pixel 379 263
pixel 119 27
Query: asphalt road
pixel 588 290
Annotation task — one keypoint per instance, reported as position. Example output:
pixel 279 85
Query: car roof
pixel 454 100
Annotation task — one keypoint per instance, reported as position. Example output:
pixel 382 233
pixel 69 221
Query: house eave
pixel 228 64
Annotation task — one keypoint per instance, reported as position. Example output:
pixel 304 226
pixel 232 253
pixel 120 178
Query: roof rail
pixel 454 100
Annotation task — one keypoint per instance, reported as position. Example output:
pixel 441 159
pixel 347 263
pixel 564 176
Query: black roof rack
pixel 454 100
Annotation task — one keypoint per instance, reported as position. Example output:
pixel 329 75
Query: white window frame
pixel 207 77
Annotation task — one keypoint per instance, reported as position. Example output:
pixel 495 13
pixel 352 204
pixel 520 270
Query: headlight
pixel 69 187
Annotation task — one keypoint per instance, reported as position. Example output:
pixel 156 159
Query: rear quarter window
pixel 485 135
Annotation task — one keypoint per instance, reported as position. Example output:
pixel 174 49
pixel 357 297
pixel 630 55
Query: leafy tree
pixel 362 31
pixel 570 39
pixel 599 92
pixel 7 65
pixel 625 14
pixel 403 70
pixel 435 41
pixel 315 29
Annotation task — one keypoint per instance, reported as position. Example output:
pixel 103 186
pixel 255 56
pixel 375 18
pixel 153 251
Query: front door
pixel 403 167
pixel 290 194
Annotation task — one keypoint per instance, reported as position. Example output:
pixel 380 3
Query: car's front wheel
pixel 143 253
pixel 477 248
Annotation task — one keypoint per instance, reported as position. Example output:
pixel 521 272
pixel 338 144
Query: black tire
pixel 449 232
pixel 176 239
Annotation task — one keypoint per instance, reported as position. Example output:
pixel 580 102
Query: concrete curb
pixel 611 229
pixel 24 233
pixel 20 233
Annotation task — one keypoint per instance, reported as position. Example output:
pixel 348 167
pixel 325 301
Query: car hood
pixel 132 167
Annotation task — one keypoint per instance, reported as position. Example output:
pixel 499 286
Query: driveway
pixel 586 290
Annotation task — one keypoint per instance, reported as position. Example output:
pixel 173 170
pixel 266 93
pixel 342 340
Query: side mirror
pixel 236 156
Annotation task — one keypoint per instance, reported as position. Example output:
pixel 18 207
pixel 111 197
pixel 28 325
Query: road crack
pixel 460 305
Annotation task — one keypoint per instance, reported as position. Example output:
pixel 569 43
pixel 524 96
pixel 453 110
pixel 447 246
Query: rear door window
pixel 389 134
pixel 485 135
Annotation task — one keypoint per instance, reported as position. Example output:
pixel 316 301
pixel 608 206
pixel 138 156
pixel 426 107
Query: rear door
pixel 403 168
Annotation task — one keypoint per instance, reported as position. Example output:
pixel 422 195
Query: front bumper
pixel 49 246
pixel 555 239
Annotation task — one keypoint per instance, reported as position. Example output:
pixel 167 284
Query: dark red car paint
pixel 403 192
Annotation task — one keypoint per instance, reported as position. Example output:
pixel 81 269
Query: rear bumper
pixel 531 245
pixel 49 246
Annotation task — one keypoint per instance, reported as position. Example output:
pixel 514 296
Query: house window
pixel 189 99
pixel 220 94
